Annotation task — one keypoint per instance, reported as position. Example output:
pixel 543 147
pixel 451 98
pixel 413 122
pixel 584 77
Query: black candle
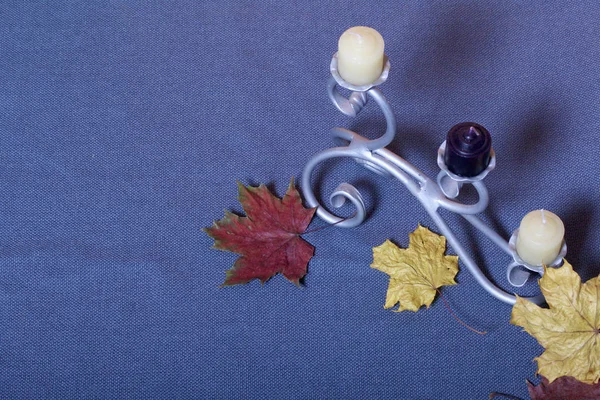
pixel 468 147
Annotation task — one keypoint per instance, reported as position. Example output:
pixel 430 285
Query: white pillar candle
pixel 540 237
pixel 360 55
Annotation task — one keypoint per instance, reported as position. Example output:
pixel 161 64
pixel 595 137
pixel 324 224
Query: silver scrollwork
pixel 432 194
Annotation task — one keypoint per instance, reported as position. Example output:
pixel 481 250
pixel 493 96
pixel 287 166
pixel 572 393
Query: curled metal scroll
pixel 432 194
pixel 360 149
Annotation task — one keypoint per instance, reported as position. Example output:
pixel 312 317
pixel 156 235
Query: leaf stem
pixel 320 228
pixel 455 316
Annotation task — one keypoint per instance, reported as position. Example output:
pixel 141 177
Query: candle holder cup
pixel 519 271
pixel 451 183
pixel 432 194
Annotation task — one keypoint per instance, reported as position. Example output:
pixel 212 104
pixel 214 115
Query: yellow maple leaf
pixel 569 329
pixel 417 272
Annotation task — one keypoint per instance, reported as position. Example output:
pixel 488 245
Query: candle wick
pixel 543 217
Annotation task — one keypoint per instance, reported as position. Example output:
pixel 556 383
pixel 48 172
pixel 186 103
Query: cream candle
pixel 540 237
pixel 360 55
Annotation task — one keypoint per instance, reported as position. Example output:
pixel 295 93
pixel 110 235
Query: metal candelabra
pixel 432 194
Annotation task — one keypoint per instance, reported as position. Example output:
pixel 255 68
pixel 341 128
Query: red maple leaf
pixel 563 388
pixel 268 238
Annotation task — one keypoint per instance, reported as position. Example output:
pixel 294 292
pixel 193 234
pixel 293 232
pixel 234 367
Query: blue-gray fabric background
pixel 125 125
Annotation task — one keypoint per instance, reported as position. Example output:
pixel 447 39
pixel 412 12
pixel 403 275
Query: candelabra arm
pixel 353 105
pixel 345 191
pixel 390 119
pixel 489 232
pixel 476 208
pixel 404 165
pixel 350 106
pixel 472 266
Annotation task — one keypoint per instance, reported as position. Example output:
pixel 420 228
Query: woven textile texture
pixel 125 125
